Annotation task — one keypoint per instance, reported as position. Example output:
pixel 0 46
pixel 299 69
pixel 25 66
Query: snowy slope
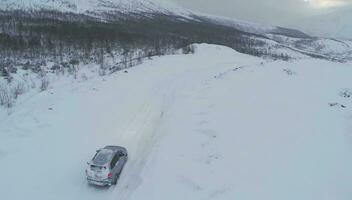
pixel 249 27
pixel 139 6
pixel 230 126
pixel 329 47
pixel 127 6
pixel 84 6
pixel 256 133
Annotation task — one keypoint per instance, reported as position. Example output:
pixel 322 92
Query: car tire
pixel 116 178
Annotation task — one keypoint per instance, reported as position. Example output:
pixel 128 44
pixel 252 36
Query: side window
pixel 114 161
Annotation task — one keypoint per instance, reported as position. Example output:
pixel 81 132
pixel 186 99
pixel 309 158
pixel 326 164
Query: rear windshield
pixel 96 168
pixel 103 157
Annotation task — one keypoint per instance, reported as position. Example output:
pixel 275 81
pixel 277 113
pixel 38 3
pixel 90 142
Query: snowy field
pixel 216 125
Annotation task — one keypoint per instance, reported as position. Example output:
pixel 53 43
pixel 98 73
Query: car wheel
pixel 116 178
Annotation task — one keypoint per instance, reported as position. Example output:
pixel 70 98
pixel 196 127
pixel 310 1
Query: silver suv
pixel 106 166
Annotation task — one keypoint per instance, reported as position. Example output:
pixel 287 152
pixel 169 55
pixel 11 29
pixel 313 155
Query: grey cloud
pixel 271 12
pixel 263 11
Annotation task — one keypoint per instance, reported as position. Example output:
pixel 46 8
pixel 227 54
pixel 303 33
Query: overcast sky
pixel 271 12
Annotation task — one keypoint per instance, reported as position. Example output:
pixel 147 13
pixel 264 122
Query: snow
pixel 94 8
pixel 97 9
pixel 249 27
pixel 330 47
pixel 85 6
pixel 214 125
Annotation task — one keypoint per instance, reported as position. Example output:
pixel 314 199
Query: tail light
pixel 110 175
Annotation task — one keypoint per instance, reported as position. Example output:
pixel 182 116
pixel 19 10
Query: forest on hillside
pixel 29 39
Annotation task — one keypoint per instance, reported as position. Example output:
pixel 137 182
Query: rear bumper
pixel 106 182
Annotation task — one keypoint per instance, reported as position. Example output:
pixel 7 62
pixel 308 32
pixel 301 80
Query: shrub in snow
pixel 289 72
pixel 65 65
pixel 337 104
pixel 116 68
pixel 44 84
pixel 130 59
pixel 190 49
pixel 102 65
pixel 74 62
pixel 6 71
pixel 73 67
pixel 139 60
pixel 102 71
pixel 26 66
pixel 5 97
pixel 84 77
pixel 32 83
pixel 150 54
pixel 18 89
pixel 72 70
pixel 57 69
pixel 346 93
pixel 41 73
pixel 28 81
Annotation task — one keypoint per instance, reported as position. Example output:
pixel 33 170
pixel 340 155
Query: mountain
pixel 99 8
pixel 255 28
pixel 33 33
pixel 63 30
pixel 95 6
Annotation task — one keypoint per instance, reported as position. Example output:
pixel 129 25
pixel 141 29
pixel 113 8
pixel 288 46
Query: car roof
pixel 103 157
pixel 106 154
pixel 116 148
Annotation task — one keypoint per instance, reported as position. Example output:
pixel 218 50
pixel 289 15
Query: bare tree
pixel 101 62
pixel 5 97
pixel 18 89
pixel 190 49
pixel 44 84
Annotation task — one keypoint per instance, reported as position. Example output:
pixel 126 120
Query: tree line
pixel 30 38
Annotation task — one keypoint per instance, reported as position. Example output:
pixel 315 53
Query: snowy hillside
pixel 249 27
pixel 255 28
pixel 85 6
pixel 230 126
pixel 98 7
pixel 143 22
pixel 328 47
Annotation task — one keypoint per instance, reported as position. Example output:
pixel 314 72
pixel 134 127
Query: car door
pixel 113 163
pixel 121 161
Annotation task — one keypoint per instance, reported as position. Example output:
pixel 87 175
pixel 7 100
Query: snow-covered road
pixel 214 125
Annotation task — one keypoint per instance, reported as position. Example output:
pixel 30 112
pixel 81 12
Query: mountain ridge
pixel 101 8
pixel 52 27
pixel 87 6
